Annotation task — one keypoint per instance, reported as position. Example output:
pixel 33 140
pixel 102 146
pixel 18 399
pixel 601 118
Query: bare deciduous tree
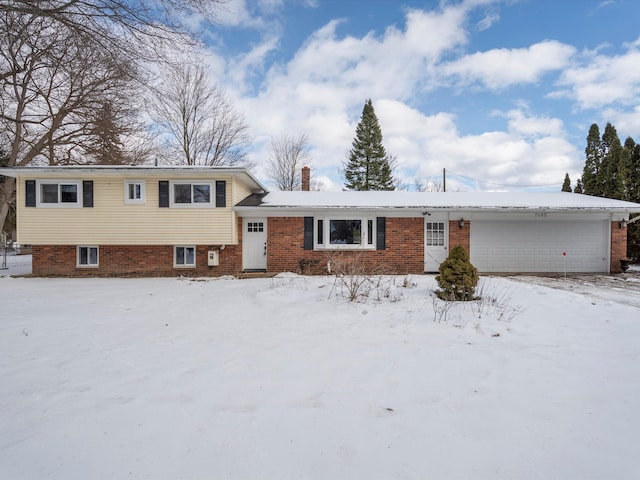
pixel 48 100
pixel 132 28
pixel 287 156
pixel 61 61
pixel 202 122
pixel 427 186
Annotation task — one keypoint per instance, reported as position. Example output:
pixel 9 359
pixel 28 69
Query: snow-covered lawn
pixel 272 379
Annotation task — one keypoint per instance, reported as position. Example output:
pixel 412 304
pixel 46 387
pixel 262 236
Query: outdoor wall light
pixel 461 223
pixel 623 224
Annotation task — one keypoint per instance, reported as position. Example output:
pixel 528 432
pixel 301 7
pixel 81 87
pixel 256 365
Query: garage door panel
pixel 538 246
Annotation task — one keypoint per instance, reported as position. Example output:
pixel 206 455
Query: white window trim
pixel 88 265
pixel 76 204
pixel 143 192
pixel 185 265
pixel 363 245
pixel 212 194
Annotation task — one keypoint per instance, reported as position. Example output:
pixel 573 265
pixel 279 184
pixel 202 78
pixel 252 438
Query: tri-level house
pixel 212 221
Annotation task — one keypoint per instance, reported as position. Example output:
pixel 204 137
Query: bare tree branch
pixel 287 156
pixel 202 123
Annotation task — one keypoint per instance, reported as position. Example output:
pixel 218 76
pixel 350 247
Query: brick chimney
pixel 306 179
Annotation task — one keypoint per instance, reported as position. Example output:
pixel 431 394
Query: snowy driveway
pixel 622 288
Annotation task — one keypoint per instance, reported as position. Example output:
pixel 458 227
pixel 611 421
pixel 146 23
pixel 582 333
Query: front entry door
pixel 254 243
pixel 435 243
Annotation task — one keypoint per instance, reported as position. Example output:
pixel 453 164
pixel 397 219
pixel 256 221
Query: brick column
pixel 618 246
pixel 460 236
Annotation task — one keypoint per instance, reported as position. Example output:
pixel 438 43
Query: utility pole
pixel 444 179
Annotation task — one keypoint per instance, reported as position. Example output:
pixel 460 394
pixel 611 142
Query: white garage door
pixel 539 246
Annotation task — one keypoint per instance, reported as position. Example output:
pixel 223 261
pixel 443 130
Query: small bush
pixel 458 277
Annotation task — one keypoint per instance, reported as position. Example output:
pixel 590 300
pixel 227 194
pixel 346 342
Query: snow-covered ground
pixel 274 379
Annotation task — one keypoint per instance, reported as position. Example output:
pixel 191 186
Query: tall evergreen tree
pixel 592 165
pixel 369 167
pixel 566 185
pixel 613 170
pixel 613 164
pixel 578 188
pixel 105 144
pixel 632 150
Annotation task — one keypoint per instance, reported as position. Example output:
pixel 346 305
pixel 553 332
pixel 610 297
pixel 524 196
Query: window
pixel 344 233
pixel 184 257
pixel 255 226
pixel 134 191
pixel 87 256
pixel 59 194
pixel 434 234
pixel 191 194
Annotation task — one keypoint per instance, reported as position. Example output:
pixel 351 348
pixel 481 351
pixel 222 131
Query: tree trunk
pixel 7 194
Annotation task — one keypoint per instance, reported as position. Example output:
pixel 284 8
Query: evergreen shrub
pixel 458 277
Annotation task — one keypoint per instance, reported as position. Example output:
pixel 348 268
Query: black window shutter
pixel 381 232
pixel 30 193
pixel 87 193
pixel 163 193
pixel 221 193
pixel 308 233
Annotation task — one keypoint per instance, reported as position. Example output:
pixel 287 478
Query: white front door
pixel 435 243
pixel 254 243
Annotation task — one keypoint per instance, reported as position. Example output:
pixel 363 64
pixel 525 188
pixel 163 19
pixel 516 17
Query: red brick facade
pixel 460 235
pixel 404 252
pixel 133 260
pixel 618 246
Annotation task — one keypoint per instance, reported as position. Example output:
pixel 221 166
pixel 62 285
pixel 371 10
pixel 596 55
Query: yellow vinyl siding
pixel 113 222
pixel 240 192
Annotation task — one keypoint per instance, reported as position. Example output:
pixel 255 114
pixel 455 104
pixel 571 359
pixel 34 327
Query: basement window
pixel 87 256
pixel 184 256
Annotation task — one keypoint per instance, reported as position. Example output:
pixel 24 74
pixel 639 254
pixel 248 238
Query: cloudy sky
pixel 501 93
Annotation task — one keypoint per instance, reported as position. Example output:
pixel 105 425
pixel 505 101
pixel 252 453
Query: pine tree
pixel 592 165
pixel 106 146
pixel 369 167
pixel 578 188
pixel 613 164
pixel 566 185
pixel 633 178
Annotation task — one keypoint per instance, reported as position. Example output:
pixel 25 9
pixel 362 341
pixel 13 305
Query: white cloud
pixel 533 151
pixel 235 13
pixel 603 80
pixel 500 68
pixel 627 122
pixel 320 91
pixel 532 126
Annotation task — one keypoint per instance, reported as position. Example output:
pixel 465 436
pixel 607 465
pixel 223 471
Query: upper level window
pixel 188 194
pixel 344 233
pixel 59 194
pixel 134 191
